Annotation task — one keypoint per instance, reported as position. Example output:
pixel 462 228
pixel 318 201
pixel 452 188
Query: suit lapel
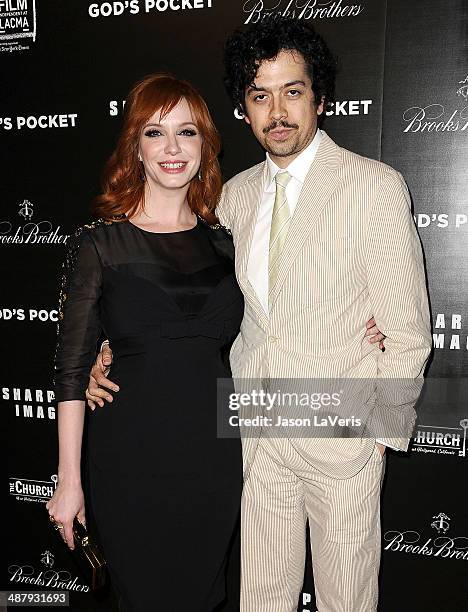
pixel 249 198
pixel 320 183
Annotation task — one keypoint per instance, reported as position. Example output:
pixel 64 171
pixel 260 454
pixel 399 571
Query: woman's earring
pixel 199 175
pixel 142 172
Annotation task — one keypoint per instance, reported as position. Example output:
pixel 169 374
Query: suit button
pixel 273 338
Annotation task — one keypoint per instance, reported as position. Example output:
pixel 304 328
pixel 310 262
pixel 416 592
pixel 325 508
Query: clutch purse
pixel 87 555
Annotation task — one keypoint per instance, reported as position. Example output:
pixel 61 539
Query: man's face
pixel 280 107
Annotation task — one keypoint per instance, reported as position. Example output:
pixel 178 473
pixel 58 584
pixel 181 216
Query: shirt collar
pixel 298 168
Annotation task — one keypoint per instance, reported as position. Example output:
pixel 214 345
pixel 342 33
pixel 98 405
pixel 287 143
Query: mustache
pixel 276 124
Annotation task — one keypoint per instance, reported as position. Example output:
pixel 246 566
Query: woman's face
pixel 170 148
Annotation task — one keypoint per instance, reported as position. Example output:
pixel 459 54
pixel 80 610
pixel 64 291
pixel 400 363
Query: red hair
pixel 122 187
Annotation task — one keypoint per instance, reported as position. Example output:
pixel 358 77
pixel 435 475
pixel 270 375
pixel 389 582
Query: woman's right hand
pixel 66 503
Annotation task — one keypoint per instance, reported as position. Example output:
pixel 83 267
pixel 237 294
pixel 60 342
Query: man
pixel 324 239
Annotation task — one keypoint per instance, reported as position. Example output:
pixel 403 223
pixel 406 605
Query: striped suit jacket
pixel 351 252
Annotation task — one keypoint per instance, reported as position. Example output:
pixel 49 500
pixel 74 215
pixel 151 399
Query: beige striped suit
pixel 351 252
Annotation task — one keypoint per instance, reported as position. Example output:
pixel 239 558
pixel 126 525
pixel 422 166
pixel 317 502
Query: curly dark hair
pixel 246 49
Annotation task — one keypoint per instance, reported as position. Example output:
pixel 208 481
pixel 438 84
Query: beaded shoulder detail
pixel 69 262
pixel 215 226
pixel 99 223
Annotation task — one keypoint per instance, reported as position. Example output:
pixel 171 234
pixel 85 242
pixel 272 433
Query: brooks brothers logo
pixel 258 10
pixel 442 545
pixel 39 491
pixel 17 24
pixel 441 523
pixel 463 90
pixel 26 210
pixel 47 559
pixel 438 117
pixel 61 580
pixel 29 232
pixel 434 439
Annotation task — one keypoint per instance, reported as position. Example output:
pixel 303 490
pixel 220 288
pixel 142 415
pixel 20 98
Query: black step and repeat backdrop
pixel 402 97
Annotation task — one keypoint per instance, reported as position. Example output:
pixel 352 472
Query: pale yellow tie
pixel 279 228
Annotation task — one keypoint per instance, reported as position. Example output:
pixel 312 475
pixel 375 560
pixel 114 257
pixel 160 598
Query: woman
pixel 156 276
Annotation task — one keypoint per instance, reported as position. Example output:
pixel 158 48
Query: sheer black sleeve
pixel 79 325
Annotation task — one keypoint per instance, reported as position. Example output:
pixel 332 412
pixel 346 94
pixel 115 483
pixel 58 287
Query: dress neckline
pixel 190 229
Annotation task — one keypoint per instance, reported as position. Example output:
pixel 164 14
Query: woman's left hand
pixel 374 334
pixel 66 503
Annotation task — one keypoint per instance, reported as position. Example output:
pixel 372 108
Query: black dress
pixel 164 490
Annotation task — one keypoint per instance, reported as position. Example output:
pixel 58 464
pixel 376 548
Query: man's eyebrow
pixel 290 83
pixel 253 87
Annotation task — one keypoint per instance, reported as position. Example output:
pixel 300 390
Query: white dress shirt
pixel 257 266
